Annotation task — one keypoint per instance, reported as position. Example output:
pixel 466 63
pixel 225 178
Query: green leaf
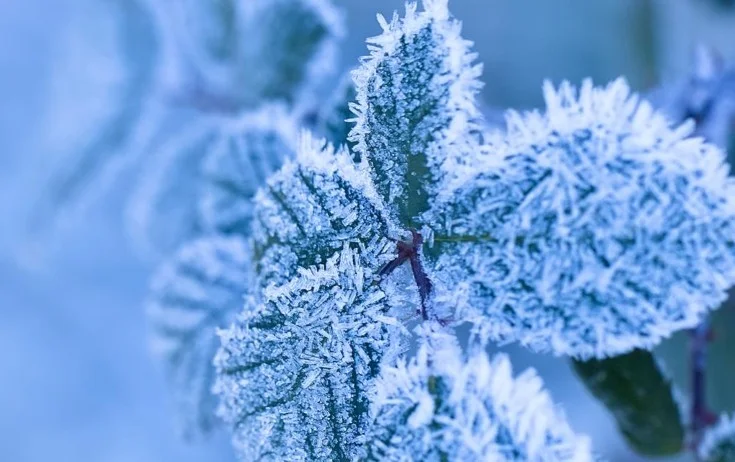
pixel 415 106
pixel 295 374
pixel 198 291
pixel 641 399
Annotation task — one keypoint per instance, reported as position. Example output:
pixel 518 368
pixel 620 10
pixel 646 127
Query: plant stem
pixel 701 417
pixel 411 251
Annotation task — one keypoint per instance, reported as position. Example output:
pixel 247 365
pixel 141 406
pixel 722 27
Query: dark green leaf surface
pixel 640 398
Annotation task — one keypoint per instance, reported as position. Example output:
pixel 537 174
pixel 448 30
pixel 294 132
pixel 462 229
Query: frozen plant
pixel 192 68
pixel 591 229
pixel 437 407
pixel 296 371
pixel 201 183
pixel 200 289
pixel 594 228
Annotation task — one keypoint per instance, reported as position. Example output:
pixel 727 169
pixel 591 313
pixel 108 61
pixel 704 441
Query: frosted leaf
pixel 208 32
pixel 163 212
pixel 311 208
pixel 706 96
pixel 718 444
pixel 233 55
pixel 597 229
pixel 294 375
pixel 250 149
pixel 439 406
pixel 199 290
pixel 333 116
pixel 415 107
pixel 290 48
pixel 90 169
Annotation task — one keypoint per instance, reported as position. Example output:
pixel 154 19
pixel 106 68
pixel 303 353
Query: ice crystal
pixel 415 109
pixel 439 406
pixel 251 149
pixel 294 375
pixel 718 444
pixel 600 229
pixel 199 290
pixel 311 208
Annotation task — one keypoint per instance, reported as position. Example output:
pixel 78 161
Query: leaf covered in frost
pixel 163 212
pixel 415 106
pixel 199 290
pixel 594 229
pixel 294 375
pixel 233 55
pixel 440 407
pixel 89 171
pixel 250 149
pixel 311 208
pixel 207 34
pixel 288 48
pixel 718 444
pixel 642 399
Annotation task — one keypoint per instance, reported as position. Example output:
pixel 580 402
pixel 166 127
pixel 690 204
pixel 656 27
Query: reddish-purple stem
pixel 701 417
pixel 410 251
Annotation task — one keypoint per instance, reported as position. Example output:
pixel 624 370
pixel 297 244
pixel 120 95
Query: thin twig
pixel 701 417
pixel 411 251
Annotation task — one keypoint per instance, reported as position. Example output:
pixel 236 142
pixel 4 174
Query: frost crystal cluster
pixel 591 229
pixel 311 208
pixel 296 372
pixel 195 198
pixel 602 229
pixel 415 107
pixel 439 407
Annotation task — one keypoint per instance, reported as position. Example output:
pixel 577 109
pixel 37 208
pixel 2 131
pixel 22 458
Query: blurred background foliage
pixel 77 381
